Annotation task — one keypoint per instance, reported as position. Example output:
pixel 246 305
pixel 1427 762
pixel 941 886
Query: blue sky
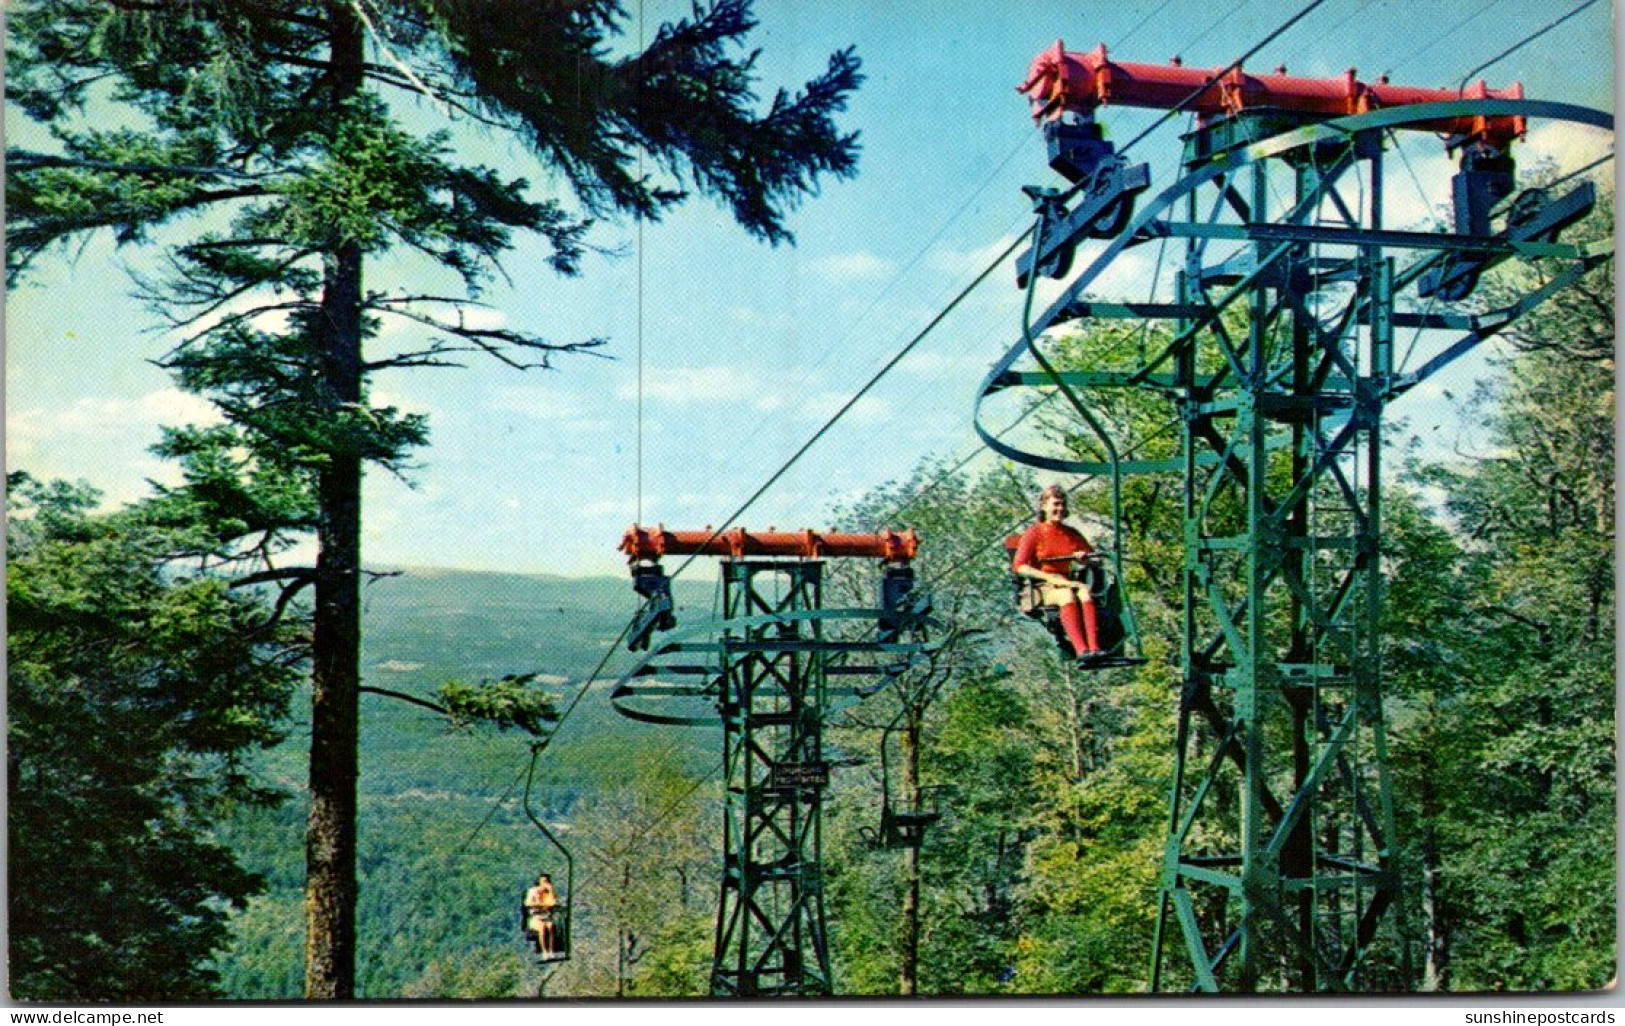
pixel 747 349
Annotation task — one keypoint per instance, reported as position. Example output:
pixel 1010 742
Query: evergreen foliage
pixel 136 687
pixel 139 684
pixel 262 150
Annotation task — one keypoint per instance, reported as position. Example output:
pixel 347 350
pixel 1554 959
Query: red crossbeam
pixel 1066 80
pixel 644 543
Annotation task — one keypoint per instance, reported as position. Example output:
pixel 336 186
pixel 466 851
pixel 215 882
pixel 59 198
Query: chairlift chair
pixel 902 828
pixel 1113 631
pixel 906 828
pixel 561 912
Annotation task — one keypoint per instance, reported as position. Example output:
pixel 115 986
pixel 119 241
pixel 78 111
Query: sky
pixel 727 354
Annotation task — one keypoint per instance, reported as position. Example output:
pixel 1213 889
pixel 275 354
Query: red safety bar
pixel 1064 80
pixel 643 543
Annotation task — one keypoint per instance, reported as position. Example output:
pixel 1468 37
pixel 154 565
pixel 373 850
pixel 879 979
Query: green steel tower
pixel 770 924
pixel 1279 860
pixel 764 669
pixel 1297 316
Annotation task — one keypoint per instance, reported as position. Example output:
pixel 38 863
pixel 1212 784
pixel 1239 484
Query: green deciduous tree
pixel 136 686
pixel 647 887
pixel 1524 833
pixel 257 146
pixel 962 522
pixel 1502 639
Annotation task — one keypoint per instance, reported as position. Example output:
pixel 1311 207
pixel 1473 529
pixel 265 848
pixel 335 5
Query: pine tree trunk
pixel 330 840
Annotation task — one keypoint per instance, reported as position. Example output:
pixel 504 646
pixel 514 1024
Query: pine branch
pixel 404 697
pixel 28 160
pixel 495 342
pixel 296 574
pixel 212 299
pixel 387 76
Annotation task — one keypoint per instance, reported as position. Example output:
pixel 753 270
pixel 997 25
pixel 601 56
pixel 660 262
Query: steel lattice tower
pixel 770 923
pixel 1279 858
pixel 1280 865
pixel 764 669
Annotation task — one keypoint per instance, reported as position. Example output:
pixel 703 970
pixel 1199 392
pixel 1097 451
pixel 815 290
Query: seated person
pixel 540 901
pixel 1045 554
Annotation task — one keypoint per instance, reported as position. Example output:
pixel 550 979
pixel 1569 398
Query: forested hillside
pixel 446 849
pixel 235 776
pixel 1041 874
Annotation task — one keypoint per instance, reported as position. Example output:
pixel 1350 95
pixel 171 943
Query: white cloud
pixel 536 402
pixel 688 385
pixel 172 406
pixel 1129 275
pixel 1418 191
pixel 853 267
pixel 466 315
pixel 712 504
pixel 868 410
pixel 407 333
pixel 680 511
pixel 97 421
pixel 384 397
pixel 782 393
pixel 1570 146
pixel 482 317
pixel 753 319
pixel 560 410
pixel 267 320
pixel 968 262
pixel 619 508
pixel 922 364
pixel 103 441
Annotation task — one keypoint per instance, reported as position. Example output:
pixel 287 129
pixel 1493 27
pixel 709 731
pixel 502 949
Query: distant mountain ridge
pixel 438 622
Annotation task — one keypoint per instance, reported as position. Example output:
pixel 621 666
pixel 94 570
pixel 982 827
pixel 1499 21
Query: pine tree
pixel 258 146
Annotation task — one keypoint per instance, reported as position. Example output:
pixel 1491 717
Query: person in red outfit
pixel 1046 553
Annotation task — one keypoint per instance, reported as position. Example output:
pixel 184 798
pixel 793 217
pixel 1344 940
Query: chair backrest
pixel 1026 595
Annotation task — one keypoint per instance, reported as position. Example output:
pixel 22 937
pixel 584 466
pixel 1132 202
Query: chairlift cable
pixel 1125 37
pixel 1224 18
pixel 1162 247
pixel 952 305
pixel 988 180
pixel 1112 457
pixel 1435 39
pixel 496 806
pixel 537 747
pixel 914 261
pixel 948 308
pixel 639 507
pixel 561 931
pixel 1033 407
pixel 1520 44
pixel 664 814
pixel 856 396
pixel 953 571
pixel 1180 106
